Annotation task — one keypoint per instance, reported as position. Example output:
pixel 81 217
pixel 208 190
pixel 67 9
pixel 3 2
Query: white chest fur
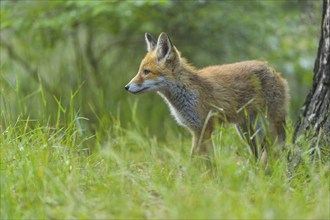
pixel 182 104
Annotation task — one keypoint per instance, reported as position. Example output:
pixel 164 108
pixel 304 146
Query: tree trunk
pixel 314 121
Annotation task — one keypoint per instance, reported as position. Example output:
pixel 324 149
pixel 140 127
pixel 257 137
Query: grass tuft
pixel 51 172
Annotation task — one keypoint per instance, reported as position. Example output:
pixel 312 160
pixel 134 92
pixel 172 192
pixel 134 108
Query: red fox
pixel 237 92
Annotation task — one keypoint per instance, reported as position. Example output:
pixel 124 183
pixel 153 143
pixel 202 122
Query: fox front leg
pixel 201 142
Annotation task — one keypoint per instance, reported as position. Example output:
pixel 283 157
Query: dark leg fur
pixel 254 131
pixel 246 131
pixel 201 141
pixel 278 129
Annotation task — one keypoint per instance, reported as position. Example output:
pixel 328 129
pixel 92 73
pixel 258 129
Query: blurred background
pixel 63 60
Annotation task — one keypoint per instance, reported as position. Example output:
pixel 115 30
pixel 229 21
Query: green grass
pixel 61 173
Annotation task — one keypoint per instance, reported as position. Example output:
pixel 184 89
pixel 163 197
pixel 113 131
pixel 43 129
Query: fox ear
pixel 151 42
pixel 164 47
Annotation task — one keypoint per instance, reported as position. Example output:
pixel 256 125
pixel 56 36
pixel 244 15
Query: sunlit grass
pixel 49 172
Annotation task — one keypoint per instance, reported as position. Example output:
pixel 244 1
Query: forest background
pixel 52 49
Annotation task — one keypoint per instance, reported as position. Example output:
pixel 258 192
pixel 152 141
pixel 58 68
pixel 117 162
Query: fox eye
pixel 146 72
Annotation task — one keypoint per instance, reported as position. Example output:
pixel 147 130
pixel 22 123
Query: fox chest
pixel 183 109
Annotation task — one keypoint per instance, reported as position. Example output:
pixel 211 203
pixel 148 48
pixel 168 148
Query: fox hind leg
pixel 253 131
pixel 279 129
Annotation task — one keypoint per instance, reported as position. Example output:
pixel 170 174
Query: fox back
pixel 236 92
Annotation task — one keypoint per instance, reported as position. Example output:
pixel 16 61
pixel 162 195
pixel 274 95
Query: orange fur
pixel 237 93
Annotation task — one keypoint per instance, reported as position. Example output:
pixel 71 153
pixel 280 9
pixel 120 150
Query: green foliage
pixel 56 47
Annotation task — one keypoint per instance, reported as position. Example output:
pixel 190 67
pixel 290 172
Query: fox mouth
pixel 140 91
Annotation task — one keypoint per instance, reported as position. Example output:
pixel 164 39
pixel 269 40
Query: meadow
pixel 49 172
pixel 75 145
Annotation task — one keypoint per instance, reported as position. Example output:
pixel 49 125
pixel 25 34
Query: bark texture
pixel 314 120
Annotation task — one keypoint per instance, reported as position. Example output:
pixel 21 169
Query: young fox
pixel 238 93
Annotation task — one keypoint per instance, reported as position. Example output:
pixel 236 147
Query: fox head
pixel 157 67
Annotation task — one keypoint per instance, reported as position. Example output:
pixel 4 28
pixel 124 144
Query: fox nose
pixel 127 87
